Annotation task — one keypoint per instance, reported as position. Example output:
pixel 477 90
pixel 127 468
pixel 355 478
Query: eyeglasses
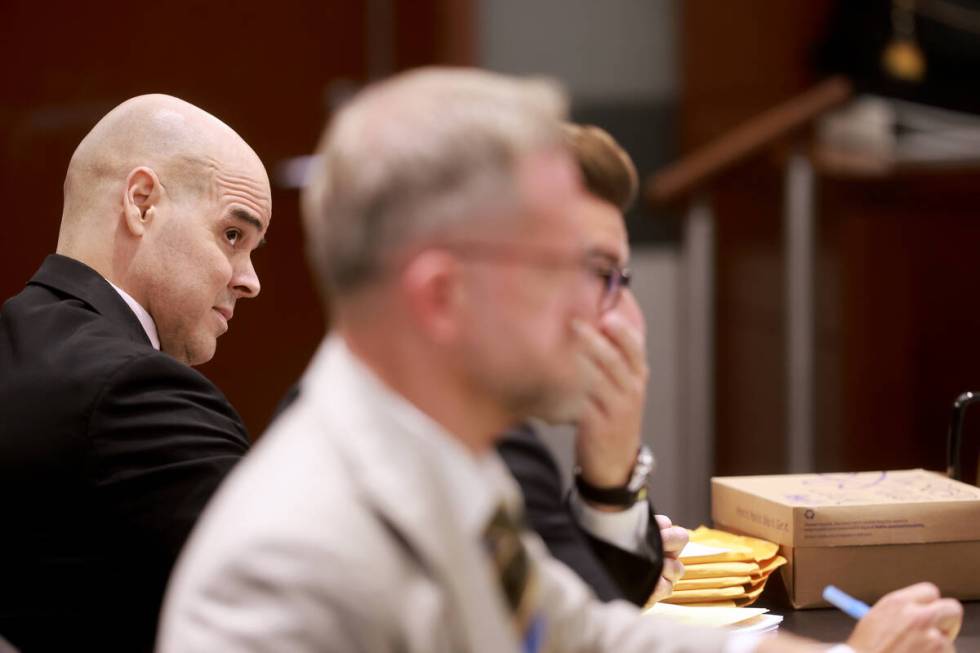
pixel 601 266
pixel 616 279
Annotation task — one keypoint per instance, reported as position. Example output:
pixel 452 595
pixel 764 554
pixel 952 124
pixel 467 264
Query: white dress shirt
pixel 626 529
pixel 149 326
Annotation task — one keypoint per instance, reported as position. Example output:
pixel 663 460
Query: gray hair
pixel 416 156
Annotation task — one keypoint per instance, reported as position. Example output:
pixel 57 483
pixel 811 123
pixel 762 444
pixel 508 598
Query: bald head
pixel 167 202
pixel 166 134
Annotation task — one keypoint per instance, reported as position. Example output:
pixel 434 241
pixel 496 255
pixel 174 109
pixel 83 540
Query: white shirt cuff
pixel 626 529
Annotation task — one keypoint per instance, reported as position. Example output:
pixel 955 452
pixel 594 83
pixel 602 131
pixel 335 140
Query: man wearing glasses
pixel 375 514
pixel 605 529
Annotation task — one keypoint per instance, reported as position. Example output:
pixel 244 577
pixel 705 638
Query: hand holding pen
pixel 913 619
pixel 844 602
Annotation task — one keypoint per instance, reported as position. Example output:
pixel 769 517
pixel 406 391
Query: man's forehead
pixel 249 187
pixel 239 165
pixel 549 189
pixel 548 174
pixel 605 229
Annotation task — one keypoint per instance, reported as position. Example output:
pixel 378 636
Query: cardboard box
pixel 867 532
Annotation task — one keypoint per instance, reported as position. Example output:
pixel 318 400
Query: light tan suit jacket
pixel 337 533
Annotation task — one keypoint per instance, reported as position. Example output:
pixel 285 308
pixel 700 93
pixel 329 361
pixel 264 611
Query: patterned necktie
pixel 517 576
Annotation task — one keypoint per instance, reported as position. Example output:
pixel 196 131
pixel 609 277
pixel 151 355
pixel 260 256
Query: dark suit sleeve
pixel 611 572
pixel 162 438
pixel 634 574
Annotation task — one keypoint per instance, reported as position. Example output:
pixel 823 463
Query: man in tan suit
pixel 445 223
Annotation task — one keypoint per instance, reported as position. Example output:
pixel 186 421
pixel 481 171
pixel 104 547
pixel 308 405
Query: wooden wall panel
pixel 896 331
pixel 737 60
pixel 264 68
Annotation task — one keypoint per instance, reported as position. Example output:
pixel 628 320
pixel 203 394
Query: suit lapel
pixel 70 277
pixel 400 476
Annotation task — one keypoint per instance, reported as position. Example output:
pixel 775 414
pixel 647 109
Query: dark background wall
pixel 268 69
pixel 896 324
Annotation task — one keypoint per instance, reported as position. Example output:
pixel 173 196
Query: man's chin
pixel 204 354
pixel 192 353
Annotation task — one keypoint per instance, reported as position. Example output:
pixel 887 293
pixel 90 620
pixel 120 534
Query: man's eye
pixel 233 236
pixel 603 271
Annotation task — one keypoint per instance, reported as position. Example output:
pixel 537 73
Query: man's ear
pixel 143 192
pixel 432 284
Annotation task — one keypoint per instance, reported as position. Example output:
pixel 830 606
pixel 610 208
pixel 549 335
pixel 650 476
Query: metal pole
pixel 798 218
pixel 698 351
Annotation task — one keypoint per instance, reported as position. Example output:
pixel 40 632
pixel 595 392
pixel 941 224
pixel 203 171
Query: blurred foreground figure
pixel 445 225
pixel 110 444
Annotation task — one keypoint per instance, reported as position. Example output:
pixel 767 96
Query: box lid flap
pixel 883 507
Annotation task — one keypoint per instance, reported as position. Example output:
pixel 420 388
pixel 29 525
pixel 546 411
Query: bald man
pixel 110 443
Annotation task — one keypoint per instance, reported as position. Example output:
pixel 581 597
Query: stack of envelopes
pixel 723 569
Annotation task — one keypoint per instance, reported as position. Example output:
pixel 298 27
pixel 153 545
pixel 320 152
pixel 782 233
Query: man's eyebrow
pixel 602 253
pixel 251 219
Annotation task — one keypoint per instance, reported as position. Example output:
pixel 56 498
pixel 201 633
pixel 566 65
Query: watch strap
pixel 625 495
pixel 614 496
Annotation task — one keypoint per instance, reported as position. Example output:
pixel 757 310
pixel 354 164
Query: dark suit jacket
pixel 109 450
pixel 611 572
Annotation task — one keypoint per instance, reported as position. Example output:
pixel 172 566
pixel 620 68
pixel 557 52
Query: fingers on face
pixel 590 417
pixel 601 394
pixel 629 341
pixel 611 384
pixel 605 355
pixel 605 396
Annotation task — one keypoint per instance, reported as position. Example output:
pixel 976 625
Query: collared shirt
pixel 355 474
pixel 149 326
pixel 479 482
pixel 473 475
pixel 626 529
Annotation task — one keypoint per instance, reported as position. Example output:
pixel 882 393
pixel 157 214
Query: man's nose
pixel 245 282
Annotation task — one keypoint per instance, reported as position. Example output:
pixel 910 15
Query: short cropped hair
pixel 417 155
pixel 607 170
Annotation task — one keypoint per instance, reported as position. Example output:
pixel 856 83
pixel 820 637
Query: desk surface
pixel 829 625
pixel 832 625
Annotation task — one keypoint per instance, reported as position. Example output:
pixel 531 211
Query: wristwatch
pixel 626 495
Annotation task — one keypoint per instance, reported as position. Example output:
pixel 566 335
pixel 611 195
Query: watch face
pixel 645 458
pixel 642 469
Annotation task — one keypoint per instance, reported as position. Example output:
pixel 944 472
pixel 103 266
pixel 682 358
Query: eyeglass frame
pixel 615 277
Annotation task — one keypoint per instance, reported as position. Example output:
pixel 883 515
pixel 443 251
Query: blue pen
pixel 845 602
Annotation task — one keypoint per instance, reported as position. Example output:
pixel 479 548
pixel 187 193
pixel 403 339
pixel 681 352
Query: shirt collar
pixel 149 326
pixel 478 484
